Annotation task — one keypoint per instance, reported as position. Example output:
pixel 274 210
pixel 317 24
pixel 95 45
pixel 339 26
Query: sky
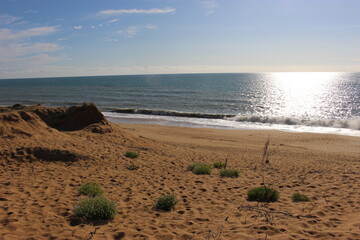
pixel 53 38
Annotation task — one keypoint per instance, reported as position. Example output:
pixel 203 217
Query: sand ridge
pixel 42 166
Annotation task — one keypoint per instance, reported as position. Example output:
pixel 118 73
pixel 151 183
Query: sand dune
pixel 47 153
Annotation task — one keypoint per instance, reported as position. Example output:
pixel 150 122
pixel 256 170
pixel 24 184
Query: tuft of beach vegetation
pixel 132 167
pixel 220 165
pixel 297 197
pixel 130 154
pixel 232 173
pixel 165 203
pixel 91 189
pixel 200 168
pixel 95 209
pixel 263 194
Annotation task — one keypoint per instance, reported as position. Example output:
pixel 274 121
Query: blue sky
pixel 40 38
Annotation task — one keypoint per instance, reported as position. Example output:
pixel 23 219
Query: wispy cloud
pixel 132 31
pixel 110 40
pixel 209 6
pixel 9 34
pixel 79 27
pixel 112 20
pixel 17 48
pixel 26 49
pixel 110 12
pixel 6 19
pixel 31 11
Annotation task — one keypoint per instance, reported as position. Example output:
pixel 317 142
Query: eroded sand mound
pixel 40 133
pixel 63 119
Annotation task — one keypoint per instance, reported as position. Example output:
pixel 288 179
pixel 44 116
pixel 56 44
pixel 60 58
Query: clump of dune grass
pixel 166 203
pixel 220 165
pixel 297 197
pixel 132 167
pixel 130 154
pixel 232 173
pixel 263 194
pixel 91 189
pixel 200 168
pixel 95 209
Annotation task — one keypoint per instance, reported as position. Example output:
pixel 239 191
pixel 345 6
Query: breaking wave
pixel 353 124
pixel 172 113
pixel 334 123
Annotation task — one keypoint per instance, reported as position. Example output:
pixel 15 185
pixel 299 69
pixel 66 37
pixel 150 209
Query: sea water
pixel 303 102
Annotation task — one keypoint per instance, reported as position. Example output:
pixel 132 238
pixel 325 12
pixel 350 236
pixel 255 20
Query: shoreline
pixel 224 124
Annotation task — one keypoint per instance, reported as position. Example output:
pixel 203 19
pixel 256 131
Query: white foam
pixel 227 124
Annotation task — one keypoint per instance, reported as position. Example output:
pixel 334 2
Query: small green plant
pixel 200 168
pixel 131 154
pixel 166 203
pixel 91 189
pixel 263 194
pixel 95 209
pixel 132 167
pixel 297 197
pixel 233 173
pixel 220 165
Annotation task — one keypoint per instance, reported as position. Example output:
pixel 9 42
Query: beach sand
pixel 47 153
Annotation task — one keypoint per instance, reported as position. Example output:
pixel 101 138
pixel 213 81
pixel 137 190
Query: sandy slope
pixel 43 162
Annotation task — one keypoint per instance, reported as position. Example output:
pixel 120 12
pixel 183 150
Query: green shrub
pixel 91 189
pixel 131 154
pixel 233 173
pixel 95 209
pixel 263 194
pixel 166 203
pixel 132 167
pixel 297 197
pixel 200 168
pixel 219 165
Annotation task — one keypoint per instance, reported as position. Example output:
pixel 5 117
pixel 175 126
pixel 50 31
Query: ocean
pixel 297 102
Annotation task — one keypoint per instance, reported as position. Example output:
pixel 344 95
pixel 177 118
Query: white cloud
pixel 22 49
pixel 78 27
pixel 131 31
pixel 112 20
pixel 31 11
pixel 17 51
pixel 209 6
pixel 137 11
pixel 9 34
pixel 62 71
pixel 6 19
pixel 110 40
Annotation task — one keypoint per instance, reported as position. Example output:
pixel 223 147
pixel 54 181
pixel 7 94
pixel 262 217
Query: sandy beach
pixel 47 153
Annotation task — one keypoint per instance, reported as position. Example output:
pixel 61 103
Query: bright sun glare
pixel 301 91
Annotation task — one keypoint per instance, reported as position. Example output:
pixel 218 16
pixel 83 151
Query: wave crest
pixel 334 123
pixel 172 113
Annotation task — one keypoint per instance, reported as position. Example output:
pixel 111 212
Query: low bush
pixel 132 167
pixel 166 203
pixel 91 189
pixel 219 165
pixel 233 173
pixel 263 194
pixel 297 197
pixel 95 209
pixel 131 154
pixel 200 168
